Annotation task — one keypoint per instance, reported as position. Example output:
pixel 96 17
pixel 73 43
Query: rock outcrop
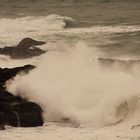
pixel 25 49
pixel 14 110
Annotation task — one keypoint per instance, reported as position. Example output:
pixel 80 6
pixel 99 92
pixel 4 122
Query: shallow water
pixel 58 132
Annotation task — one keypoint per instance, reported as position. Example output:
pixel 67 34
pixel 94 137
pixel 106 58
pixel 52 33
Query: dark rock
pixel 26 114
pixel 2 120
pixel 7 73
pixel 2 127
pixel 30 114
pixel 14 110
pixel 29 42
pixel 25 49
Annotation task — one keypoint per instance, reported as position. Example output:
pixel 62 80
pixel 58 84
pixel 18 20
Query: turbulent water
pixel 88 81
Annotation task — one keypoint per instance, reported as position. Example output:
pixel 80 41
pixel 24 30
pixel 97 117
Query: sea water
pixel 81 98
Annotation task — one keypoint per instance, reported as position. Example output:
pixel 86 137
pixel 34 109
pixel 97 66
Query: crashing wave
pixel 31 24
pixel 16 29
pixel 123 65
pixel 72 88
pixel 66 22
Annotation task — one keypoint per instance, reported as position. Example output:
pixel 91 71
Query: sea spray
pixel 71 85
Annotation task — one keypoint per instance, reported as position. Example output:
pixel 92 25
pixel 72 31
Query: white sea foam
pixel 32 24
pixel 69 84
pixel 108 29
pixel 13 30
pixel 58 132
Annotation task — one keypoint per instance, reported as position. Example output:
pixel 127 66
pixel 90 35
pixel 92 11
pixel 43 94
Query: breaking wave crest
pixel 31 23
pixel 16 29
pixel 71 86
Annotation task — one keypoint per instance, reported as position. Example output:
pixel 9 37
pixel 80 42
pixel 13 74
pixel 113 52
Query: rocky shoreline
pixel 14 110
pixel 25 49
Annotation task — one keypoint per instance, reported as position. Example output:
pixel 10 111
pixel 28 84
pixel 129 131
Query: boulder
pixel 14 110
pixel 21 114
pixel 8 73
pixel 29 42
pixel 25 49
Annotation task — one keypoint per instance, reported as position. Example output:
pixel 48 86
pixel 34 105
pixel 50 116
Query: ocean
pixel 88 81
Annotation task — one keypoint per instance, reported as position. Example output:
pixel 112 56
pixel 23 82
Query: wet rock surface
pixel 25 49
pixel 14 110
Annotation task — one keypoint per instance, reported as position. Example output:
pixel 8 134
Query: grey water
pixel 87 12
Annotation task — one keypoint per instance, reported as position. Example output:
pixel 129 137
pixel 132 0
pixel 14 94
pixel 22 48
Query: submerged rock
pixel 25 49
pixel 14 110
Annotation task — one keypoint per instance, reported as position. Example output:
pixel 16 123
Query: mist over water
pixel 71 84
